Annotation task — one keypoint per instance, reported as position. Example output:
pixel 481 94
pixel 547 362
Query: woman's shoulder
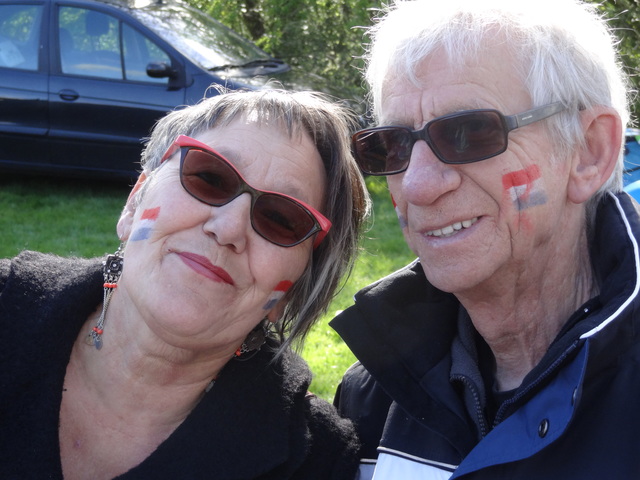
pixel 333 448
pixel 325 419
pixel 37 287
pixel 35 268
pixel 31 260
pixel 293 434
pixel 25 265
pixel 333 445
pixel 5 267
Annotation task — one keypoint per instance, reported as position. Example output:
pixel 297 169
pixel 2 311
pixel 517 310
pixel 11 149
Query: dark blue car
pixel 82 82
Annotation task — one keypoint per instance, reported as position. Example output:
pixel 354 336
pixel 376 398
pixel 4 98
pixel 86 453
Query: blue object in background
pixel 631 175
pixel 633 189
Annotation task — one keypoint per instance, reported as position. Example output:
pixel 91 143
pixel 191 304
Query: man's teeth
pixel 451 229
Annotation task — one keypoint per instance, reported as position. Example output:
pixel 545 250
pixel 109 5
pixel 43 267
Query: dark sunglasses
pixel 212 179
pixel 462 137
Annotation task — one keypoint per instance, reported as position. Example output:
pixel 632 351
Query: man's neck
pixel 522 318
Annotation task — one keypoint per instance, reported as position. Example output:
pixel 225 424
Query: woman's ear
pixel 126 217
pixel 593 164
pixel 276 312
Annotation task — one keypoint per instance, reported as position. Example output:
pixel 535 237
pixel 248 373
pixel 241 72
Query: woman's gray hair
pixel 564 52
pixel 347 202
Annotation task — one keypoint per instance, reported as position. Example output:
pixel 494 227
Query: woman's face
pixel 200 276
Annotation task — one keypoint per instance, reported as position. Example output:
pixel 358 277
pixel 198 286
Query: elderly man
pixel 509 349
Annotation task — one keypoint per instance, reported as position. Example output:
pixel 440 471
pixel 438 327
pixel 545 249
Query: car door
pixel 23 85
pixel 102 102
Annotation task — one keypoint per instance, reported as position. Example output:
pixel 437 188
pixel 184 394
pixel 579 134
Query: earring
pixel 111 271
pixel 254 341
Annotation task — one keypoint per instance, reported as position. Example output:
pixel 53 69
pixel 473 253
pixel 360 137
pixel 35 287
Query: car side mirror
pixel 161 70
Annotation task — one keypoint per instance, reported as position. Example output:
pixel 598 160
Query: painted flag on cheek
pixel 145 225
pixel 525 187
pixel 401 220
pixel 277 294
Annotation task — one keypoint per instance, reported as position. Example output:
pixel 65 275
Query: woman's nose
pixel 230 224
pixel 426 178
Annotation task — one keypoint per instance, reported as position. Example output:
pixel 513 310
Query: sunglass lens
pixel 281 220
pixel 212 180
pixel 383 151
pixel 208 178
pixel 468 137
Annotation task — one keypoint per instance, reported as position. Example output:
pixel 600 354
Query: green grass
pixel 78 217
pixel 66 217
pixel 383 251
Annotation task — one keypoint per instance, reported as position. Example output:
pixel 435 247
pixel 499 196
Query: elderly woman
pixel 159 363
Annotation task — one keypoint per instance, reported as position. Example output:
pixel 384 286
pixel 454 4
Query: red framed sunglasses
pixel 209 177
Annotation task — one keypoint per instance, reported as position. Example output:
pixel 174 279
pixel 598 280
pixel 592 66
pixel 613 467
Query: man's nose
pixel 427 178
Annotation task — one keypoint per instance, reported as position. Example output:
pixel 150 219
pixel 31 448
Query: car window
pixel 199 37
pixel 20 36
pixel 139 51
pixel 90 45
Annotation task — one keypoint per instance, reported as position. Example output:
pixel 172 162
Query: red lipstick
pixel 204 267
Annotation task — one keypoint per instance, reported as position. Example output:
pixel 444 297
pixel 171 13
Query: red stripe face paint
pixel 145 226
pixel 524 188
pixel 401 219
pixel 277 294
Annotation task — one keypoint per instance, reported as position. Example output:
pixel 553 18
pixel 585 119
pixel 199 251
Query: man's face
pixel 477 227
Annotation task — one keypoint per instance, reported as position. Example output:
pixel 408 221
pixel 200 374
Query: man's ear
pixel 129 210
pixel 593 164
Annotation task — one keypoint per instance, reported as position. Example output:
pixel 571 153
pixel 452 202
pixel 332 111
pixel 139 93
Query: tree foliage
pixel 624 18
pixel 325 37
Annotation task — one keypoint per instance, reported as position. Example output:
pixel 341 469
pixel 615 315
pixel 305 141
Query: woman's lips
pixel 204 267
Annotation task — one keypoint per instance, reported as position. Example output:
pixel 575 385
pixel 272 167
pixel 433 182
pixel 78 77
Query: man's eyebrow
pixel 454 108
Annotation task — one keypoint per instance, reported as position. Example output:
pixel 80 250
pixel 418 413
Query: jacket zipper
pixel 482 422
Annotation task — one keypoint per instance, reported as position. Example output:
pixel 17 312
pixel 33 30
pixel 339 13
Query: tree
pixel 624 18
pixel 322 37
pixel 325 37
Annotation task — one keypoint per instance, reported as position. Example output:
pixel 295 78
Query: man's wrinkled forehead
pixel 439 85
pixel 463 50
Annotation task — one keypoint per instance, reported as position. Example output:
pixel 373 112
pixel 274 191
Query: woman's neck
pixel 125 399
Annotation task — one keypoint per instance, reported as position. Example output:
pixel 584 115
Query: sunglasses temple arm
pixel 325 226
pixel 318 240
pixel 170 151
pixel 533 115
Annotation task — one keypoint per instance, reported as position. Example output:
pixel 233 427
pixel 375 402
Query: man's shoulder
pixel 359 393
pixel 361 398
pixel 409 274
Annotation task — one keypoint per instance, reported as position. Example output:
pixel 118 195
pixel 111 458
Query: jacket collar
pixel 401 327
